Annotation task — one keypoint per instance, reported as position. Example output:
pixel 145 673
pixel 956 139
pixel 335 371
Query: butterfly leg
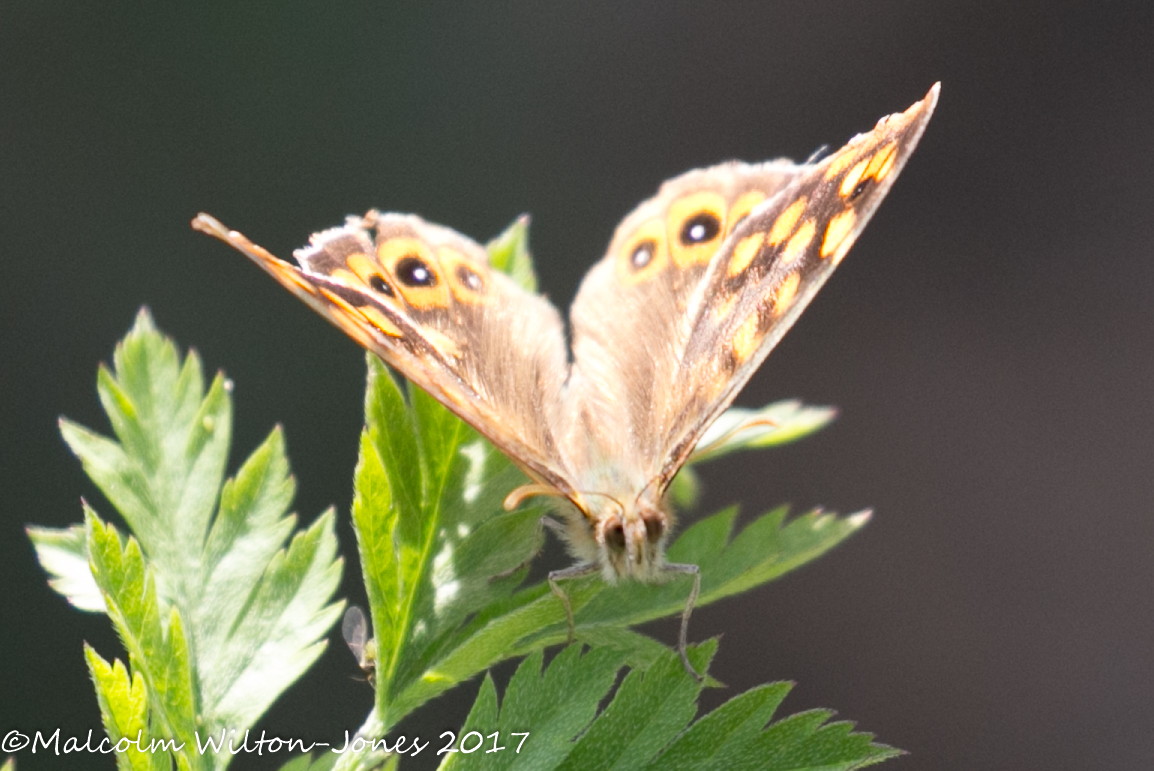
pixel 683 638
pixel 576 571
pixel 539 539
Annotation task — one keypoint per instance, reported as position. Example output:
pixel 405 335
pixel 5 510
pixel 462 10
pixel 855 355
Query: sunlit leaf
pixel 217 612
pixel 773 425
pixel 509 253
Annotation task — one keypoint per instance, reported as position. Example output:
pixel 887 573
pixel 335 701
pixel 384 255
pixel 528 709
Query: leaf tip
pixel 144 321
pixel 860 519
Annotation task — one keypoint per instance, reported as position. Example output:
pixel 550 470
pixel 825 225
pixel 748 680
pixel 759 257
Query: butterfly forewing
pixel 631 317
pixel 425 300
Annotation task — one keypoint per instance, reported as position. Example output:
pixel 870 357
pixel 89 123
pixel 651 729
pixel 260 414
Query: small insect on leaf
pixel 355 630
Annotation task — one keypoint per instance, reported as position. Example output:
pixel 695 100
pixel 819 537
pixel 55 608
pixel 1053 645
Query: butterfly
pixel 698 285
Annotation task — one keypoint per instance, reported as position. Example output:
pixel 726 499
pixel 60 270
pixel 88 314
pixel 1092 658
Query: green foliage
pixel 124 707
pixel 647 724
pixel 509 253
pixel 324 762
pixel 426 492
pixel 432 537
pixel 221 602
pixel 63 554
pixel 217 614
pixel 771 426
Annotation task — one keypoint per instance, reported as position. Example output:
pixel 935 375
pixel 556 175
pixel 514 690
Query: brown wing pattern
pixel 630 318
pixel 662 351
pixel 425 300
pixel 699 283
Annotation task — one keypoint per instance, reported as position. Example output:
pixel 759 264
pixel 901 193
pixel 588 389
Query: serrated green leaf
pixel 648 711
pixel 165 473
pixel 64 556
pixel 647 723
pixel 124 711
pixel 509 253
pixel 552 706
pixel 431 531
pixel 716 740
pixel 156 645
pixel 637 650
pixel 804 742
pixel 218 613
pixel 773 425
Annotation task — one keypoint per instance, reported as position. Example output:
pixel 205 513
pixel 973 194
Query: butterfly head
pixel 630 540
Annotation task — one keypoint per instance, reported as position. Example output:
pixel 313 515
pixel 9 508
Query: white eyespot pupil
pixel 642 254
pixel 700 228
pixel 469 278
pixel 412 271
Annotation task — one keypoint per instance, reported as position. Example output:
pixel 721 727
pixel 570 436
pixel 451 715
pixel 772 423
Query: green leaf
pixel 324 761
pixel 155 641
pixel 63 555
pixel 772 425
pixel 766 549
pixel 124 710
pixel 685 491
pixel 552 706
pixel 649 710
pixel 427 489
pixel 714 740
pixel 165 471
pixel 433 535
pixel 509 253
pixel 647 725
pixel 637 650
pixel 218 614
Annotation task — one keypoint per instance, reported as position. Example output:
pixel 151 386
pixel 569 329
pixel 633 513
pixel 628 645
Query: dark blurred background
pixel 988 341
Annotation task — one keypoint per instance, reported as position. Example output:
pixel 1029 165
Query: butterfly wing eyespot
pixel 703 227
pixel 467 278
pixel 378 284
pixel 414 272
pixel 696 223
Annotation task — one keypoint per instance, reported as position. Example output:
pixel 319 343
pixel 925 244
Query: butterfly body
pixel 698 285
